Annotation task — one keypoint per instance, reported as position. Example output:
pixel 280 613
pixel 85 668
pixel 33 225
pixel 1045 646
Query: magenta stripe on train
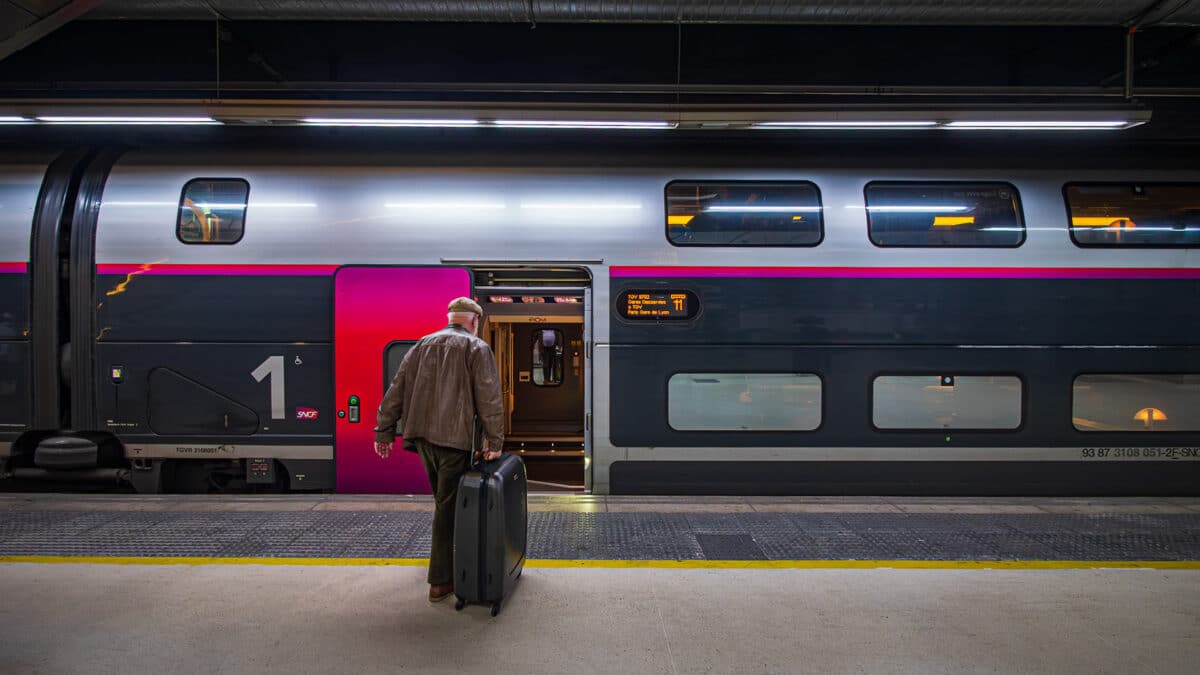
pixel 218 270
pixel 709 272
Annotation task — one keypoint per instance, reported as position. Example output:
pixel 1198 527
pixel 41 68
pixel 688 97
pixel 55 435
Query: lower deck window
pixel 946 402
pixel 1136 403
pixel 744 401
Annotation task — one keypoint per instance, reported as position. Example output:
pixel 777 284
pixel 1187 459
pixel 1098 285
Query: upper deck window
pixel 944 214
pixel 743 214
pixel 212 211
pixel 1134 214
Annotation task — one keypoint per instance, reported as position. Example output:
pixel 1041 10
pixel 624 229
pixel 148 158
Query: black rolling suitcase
pixel 490 522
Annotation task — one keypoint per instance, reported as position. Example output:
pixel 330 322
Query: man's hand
pixel 383 449
pixel 488 454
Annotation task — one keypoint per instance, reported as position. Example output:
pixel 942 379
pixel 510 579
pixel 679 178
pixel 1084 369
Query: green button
pixel 353 400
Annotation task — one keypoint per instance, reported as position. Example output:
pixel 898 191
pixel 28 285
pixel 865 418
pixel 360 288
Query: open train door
pixel 379 313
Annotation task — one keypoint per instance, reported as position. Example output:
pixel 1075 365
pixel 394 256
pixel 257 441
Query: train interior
pixel 535 323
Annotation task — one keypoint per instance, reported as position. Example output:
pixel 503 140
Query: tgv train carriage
pixel 195 321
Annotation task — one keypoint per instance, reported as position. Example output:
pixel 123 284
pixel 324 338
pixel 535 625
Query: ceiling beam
pixel 44 26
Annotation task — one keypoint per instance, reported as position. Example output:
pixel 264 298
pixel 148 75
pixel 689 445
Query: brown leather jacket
pixel 443 382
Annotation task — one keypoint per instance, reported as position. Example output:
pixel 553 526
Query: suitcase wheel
pixel 459 604
pixel 495 608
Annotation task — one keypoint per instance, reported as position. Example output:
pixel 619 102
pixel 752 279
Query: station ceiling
pixel 852 12
pixel 901 53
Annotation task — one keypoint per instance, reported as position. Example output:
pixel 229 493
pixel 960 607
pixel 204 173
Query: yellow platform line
pixel 633 564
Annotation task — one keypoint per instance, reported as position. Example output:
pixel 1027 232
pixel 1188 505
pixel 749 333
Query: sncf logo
pixel 306 413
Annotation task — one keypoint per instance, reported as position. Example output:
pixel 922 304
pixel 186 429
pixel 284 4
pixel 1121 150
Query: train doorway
pixel 537 322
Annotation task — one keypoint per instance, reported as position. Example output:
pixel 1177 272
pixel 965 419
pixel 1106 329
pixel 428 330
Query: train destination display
pixel 657 304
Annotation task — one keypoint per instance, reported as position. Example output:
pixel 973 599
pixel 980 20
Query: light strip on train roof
pixel 387 122
pixel 446 205
pixel 13 119
pixel 581 206
pixel 131 121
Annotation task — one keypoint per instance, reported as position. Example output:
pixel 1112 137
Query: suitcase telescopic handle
pixel 476 461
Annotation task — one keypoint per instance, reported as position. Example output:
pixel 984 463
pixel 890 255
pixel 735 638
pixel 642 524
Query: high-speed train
pixel 228 320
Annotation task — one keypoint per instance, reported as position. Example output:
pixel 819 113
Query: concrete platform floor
pixel 85 618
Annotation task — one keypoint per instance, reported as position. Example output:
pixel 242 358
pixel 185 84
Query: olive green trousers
pixel 444 466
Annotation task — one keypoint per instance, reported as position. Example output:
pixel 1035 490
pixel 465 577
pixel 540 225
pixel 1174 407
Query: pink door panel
pixel 375 307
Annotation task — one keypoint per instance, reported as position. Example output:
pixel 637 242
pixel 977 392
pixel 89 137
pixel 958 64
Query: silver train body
pixel 589 215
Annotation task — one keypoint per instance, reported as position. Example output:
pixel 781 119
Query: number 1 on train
pixel 273 367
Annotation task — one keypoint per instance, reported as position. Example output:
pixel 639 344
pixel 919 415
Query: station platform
pixel 207 584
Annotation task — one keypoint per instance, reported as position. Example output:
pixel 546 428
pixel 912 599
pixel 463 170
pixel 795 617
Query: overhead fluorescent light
pixel 1042 125
pixel 387 122
pixel 13 119
pixel 847 124
pixel 1065 124
pixel 583 124
pixel 126 120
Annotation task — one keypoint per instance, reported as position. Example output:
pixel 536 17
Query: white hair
pixel 464 319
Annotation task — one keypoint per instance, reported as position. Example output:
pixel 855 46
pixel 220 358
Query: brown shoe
pixel 439 592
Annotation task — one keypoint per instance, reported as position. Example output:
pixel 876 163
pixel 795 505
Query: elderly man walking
pixel 444 381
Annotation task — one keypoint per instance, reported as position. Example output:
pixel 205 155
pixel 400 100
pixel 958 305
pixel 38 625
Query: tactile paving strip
pixel 602 536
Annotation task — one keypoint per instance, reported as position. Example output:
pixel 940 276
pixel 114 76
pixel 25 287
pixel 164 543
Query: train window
pixel 1136 403
pixel 393 356
pixel 946 402
pixel 1131 214
pixel 547 357
pixel 743 214
pixel 212 211
pixel 744 401
pixel 944 214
